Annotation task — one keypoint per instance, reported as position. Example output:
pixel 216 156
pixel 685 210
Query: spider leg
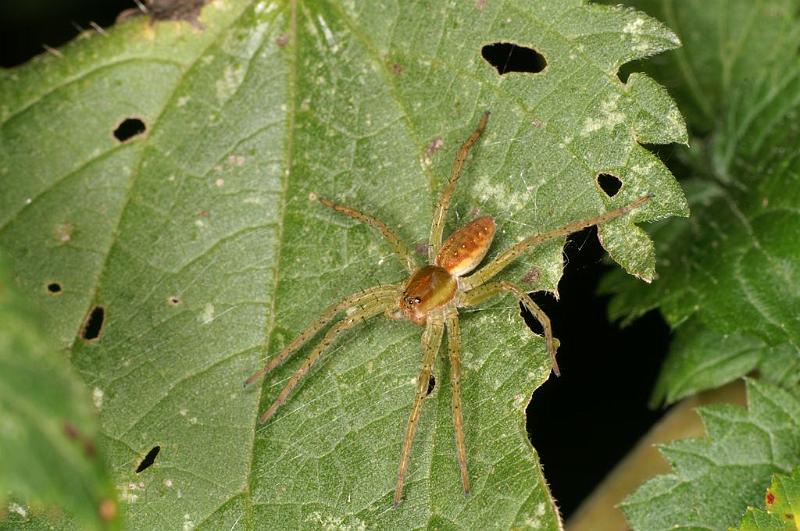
pixel 371 294
pixel 454 350
pixel 431 340
pixel 369 310
pixel 398 246
pixel 513 252
pixel 440 213
pixel 485 291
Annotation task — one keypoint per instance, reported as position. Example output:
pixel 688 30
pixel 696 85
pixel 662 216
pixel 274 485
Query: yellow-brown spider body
pixel 432 287
pixel 431 298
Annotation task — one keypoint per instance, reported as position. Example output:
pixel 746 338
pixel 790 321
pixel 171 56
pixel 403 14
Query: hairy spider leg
pixel 481 293
pixel 440 212
pixel 454 351
pixel 431 340
pixel 398 246
pixel 488 271
pixel 370 309
pixel 377 292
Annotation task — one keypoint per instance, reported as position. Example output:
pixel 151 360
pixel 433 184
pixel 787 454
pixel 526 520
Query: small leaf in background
pixel 48 431
pixel 781 506
pixel 727 279
pixel 716 478
pixel 162 172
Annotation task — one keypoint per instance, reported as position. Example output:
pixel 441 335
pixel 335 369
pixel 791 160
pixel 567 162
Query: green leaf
pixel 198 240
pixel 716 478
pixel 47 427
pixel 782 503
pixel 731 269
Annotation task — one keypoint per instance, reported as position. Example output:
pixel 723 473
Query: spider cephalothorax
pixel 431 298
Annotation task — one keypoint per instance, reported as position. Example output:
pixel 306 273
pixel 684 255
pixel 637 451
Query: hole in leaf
pixel 510 57
pixel 93 325
pixel 543 300
pixel 129 128
pixel 610 184
pixel 174 301
pixel 431 385
pixel 54 287
pixel 149 459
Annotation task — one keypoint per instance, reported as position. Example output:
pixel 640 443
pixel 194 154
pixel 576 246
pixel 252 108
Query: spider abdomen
pixel 466 247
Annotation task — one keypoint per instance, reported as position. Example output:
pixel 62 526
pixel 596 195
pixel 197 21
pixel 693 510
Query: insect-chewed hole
pixel 431 385
pixel 149 459
pixel 510 57
pixel 543 300
pixel 54 287
pixel 129 128
pixel 93 324
pixel 610 184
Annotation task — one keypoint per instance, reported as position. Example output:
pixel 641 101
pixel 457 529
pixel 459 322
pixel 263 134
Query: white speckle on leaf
pixel 609 116
pixel 97 397
pixel 236 160
pixel 634 27
pixel 193 420
pixel 231 79
pixel 183 100
pixel 17 508
pixel 168 483
pixel 28 201
pixel 208 314
pixel 328 34
pixel 264 8
pixel 219 183
pixel 188 525
pixel 335 523
pixel 183 412
pixel 127 492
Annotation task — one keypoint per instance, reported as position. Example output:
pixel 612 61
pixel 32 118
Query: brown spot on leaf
pixel 532 276
pixel 282 40
pixel 396 68
pixel 107 510
pixel 187 10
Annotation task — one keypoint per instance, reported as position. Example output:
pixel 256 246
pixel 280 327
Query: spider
pixel 431 298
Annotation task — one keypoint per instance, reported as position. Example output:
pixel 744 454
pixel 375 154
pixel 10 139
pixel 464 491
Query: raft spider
pixel 431 298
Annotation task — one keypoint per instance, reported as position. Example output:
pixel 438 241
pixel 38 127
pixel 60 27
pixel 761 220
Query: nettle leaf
pixel 47 427
pixel 162 175
pixel 782 504
pixel 716 478
pixel 732 269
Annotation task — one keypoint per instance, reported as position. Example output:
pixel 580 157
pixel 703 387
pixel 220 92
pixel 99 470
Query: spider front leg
pixel 481 293
pixel 440 212
pixel 431 340
pixel 454 351
pixel 369 310
pixel 369 295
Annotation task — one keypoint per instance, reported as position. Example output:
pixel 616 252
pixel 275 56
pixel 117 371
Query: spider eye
pixel 413 300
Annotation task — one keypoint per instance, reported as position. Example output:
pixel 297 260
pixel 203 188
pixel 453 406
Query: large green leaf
pixel 732 269
pixel 199 242
pixel 716 478
pixel 47 427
